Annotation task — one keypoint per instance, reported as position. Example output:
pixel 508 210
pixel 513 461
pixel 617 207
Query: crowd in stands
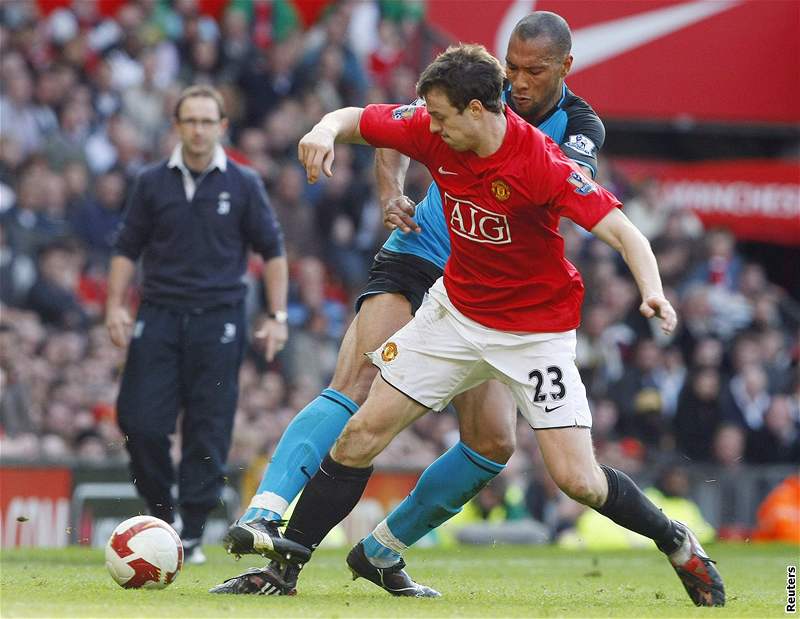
pixel 87 99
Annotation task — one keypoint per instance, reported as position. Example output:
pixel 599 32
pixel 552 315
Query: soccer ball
pixel 144 553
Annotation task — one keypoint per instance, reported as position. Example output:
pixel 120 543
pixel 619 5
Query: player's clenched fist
pixel 657 305
pixel 315 151
pixel 398 212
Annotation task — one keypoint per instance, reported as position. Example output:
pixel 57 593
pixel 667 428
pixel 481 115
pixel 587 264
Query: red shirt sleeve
pixel 405 128
pixel 572 194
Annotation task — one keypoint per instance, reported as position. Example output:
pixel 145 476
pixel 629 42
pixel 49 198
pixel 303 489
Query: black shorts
pixel 406 274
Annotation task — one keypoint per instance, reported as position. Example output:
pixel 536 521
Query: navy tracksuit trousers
pixel 181 360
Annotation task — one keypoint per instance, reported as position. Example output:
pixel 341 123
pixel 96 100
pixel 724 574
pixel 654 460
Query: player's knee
pixel 357 445
pixel 496 448
pixel 364 381
pixel 356 386
pixel 581 487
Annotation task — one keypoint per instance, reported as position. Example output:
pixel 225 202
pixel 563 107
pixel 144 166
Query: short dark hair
pixel 201 90
pixel 549 25
pixel 465 72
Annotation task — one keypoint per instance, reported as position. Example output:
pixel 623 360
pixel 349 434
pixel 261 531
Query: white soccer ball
pixel 144 553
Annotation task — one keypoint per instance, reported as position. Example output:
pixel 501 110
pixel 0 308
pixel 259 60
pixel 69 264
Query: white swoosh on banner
pixel 517 10
pixel 594 44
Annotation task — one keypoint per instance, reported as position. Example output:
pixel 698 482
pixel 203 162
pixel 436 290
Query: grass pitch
pixel 482 582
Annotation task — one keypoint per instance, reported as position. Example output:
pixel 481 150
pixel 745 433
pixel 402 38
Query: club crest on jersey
pixel 407 111
pixel 501 190
pixel 581 144
pixel 389 352
pixel 582 186
pixel 470 221
pixel 224 203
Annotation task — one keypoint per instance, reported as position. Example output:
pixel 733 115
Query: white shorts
pixel 442 353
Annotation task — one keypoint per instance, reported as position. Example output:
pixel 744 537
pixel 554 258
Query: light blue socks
pixel 306 441
pixel 442 490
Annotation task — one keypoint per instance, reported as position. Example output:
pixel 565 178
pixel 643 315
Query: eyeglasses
pixel 204 123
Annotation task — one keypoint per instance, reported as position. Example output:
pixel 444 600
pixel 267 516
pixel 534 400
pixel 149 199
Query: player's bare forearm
pixel 618 231
pixel 315 150
pixel 390 174
pixel 344 125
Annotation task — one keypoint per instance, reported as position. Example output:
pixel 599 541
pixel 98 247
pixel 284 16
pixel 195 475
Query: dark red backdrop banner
pixel 757 199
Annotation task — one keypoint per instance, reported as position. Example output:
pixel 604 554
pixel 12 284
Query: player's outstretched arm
pixel 618 231
pixel 315 150
pixel 390 174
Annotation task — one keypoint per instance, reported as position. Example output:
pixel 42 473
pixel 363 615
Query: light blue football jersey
pixel 571 118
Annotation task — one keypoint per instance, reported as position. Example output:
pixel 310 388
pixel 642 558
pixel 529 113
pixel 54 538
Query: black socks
pixel 629 507
pixel 330 495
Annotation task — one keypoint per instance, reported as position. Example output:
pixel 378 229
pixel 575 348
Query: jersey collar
pixel 557 106
pixel 219 160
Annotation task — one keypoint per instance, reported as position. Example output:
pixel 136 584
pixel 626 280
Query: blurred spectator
pixel 268 79
pixel 598 349
pixel 28 226
pixel 69 142
pixel 777 360
pixel 747 398
pixel 638 397
pixel 721 264
pixel 778 440
pixel 647 211
pixel 295 213
pixel 17 273
pixel 23 121
pixel 670 378
pixel 144 104
pixel 54 295
pixel 16 415
pixel 338 216
pixel 708 353
pixel 330 59
pixel 728 445
pixel 313 349
pixel 96 221
pixel 388 54
pixel 698 414
pixel 107 97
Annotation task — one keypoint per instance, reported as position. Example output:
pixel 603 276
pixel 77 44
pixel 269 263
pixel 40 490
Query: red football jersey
pixel 507 268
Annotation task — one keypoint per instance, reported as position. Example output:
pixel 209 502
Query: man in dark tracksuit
pixel 191 219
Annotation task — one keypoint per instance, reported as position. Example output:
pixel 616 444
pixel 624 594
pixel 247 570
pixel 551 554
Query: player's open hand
pixel 398 212
pixel 315 152
pixel 118 325
pixel 657 305
pixel 272 335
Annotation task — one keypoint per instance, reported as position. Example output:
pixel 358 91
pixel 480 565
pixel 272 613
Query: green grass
pixel 475 582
